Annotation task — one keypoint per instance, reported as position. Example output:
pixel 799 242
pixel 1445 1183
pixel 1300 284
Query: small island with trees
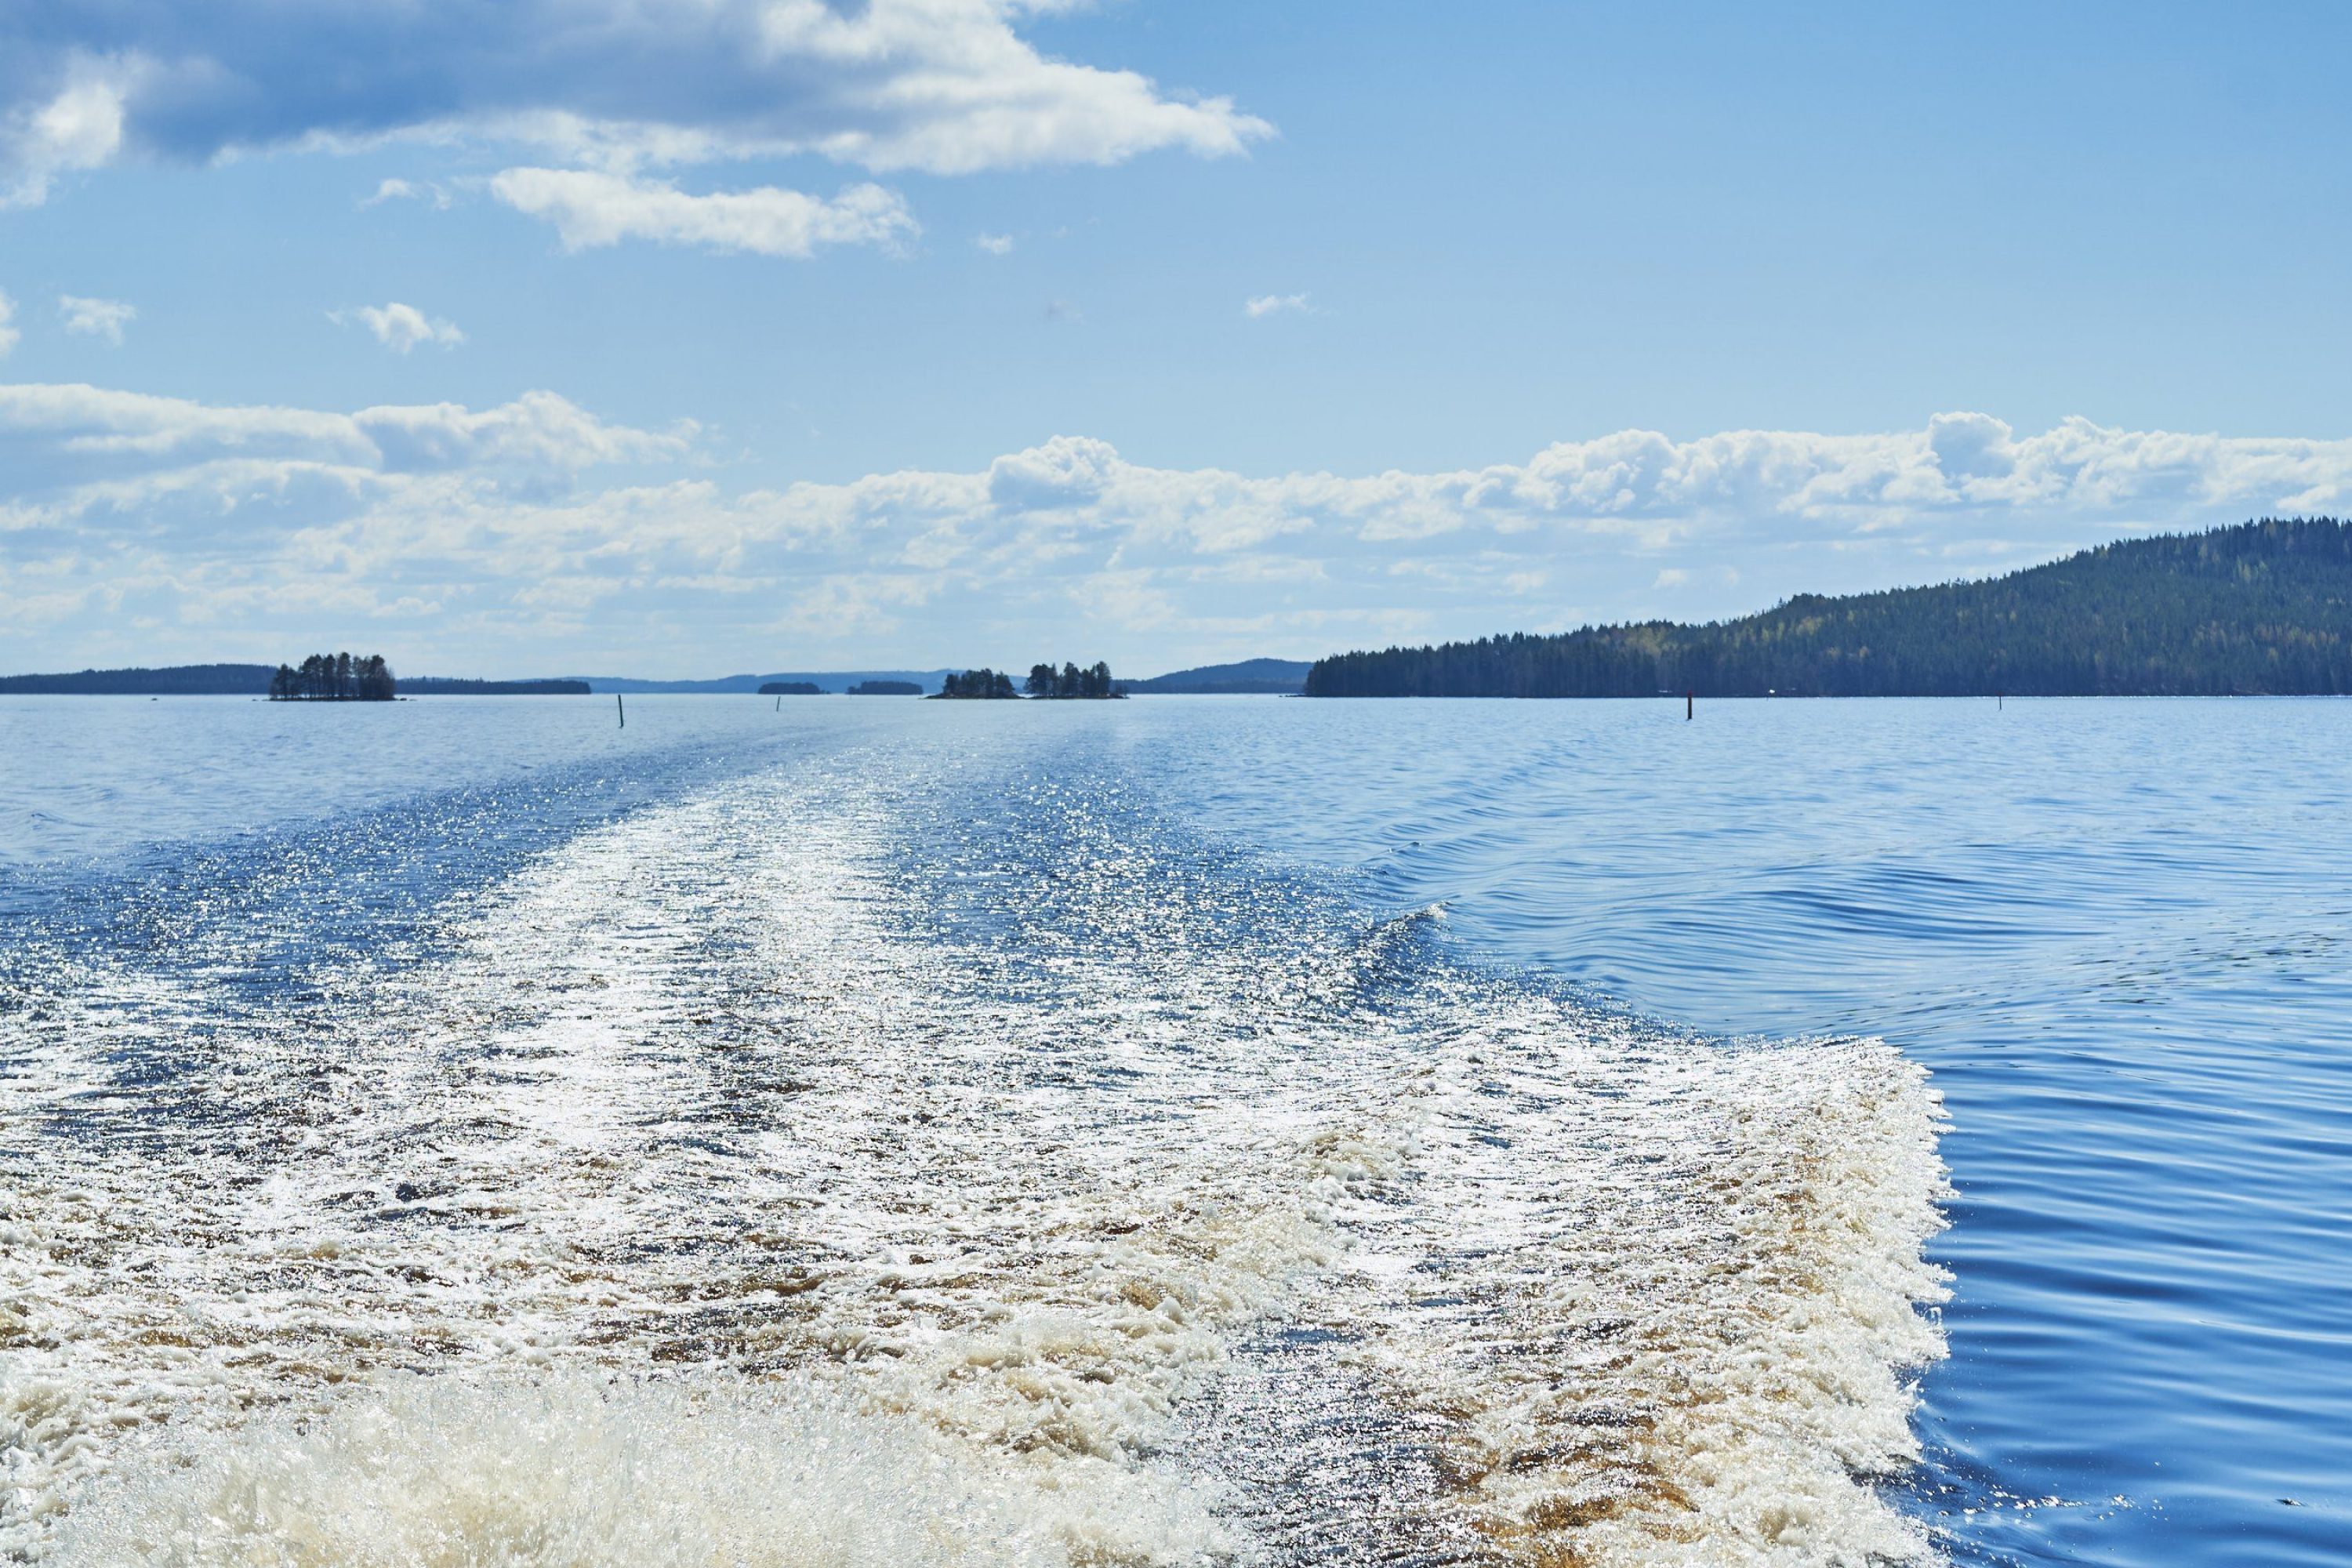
pixel 977 685
pixel 886 688
pixel 1044 682
pixel 333 678
pixel 792 689
pixel 1071 682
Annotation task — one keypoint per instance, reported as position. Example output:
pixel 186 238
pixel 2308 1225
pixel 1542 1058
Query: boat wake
pixel 861 1163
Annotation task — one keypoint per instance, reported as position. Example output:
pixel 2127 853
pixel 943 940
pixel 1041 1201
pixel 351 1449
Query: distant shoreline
pixel 2262 608
pixel 1259 676
pixel 252 681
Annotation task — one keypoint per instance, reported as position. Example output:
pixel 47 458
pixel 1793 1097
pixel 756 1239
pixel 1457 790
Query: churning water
pixel 1181 1132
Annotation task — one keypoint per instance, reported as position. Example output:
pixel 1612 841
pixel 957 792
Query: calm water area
pixel 1190 1128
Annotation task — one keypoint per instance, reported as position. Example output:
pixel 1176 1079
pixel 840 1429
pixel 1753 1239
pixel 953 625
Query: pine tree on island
pixel 1045 680
pixel 1070 681
pixel 333 678
pixel 983 683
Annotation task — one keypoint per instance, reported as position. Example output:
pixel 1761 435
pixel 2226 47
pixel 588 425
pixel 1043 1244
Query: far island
pixel 340 677
pixel 452 686
pixel 1045 683
pixel 888 688
pixel 312 682
pixel 1249 676
pixel 792 689
pixel 983 684
pixel 333 678
pixel 1071 682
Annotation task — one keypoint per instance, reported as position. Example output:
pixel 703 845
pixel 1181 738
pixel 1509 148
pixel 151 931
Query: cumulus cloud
pixel 9 334
pixel 1264 305
pixel 96 318
pixel 590 208
pixel 940 86
pixel 495 530
pixel 995 243
pixel 401 328
pixel 1068 470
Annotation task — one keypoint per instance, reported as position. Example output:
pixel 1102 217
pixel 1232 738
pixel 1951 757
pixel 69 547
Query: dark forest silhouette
pixel 983 684
pixel 333 678
pixel 2263 607
pixel 1070 681
pixel 1045 681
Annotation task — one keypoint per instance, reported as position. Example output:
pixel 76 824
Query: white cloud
pixel 57 438
pixel 1068 470
pixel 397 190
pixel 9 334
pixel 490 529
pixel 73 121
pixel 401 328
pixel 590 209
pixel 995 243
pixel 96 318
pixel 1264 305
pixel 942 86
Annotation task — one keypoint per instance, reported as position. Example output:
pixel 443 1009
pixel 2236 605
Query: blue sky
pixel 682 338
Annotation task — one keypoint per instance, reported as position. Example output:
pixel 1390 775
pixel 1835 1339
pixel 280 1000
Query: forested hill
pixel 172 680
pixel 2264 607
pixel 1278 677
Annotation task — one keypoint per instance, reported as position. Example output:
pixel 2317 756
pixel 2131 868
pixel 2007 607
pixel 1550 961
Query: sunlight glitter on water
pixel 933 1168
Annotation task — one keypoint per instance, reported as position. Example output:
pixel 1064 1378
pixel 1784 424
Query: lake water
pixel 1186 1130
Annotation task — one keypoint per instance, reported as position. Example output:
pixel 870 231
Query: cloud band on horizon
pixel 532 532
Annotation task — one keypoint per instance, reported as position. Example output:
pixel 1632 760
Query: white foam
pixel 567 1471
pixel 696 1147
pixel 1663 1291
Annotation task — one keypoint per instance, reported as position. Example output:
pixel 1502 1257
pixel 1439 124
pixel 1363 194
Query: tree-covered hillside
pixel 173 681
pixel 1282 676
pixel 2263 607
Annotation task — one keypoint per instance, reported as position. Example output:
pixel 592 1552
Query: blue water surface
pixel 2114 930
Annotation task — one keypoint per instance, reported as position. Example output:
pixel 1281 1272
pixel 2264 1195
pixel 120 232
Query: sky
pixel 678 338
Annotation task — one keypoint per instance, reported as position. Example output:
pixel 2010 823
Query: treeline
pixel 333 678
pixel 458 686
pixel 1045 680
pixel 2264 607
pixel 261 681
pixel 172 680
pixel 983 683
pixel 1070 681
pixel 1264 677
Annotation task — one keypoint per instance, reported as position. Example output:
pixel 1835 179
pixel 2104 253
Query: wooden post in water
pixel 1690 704
pixel 622 709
